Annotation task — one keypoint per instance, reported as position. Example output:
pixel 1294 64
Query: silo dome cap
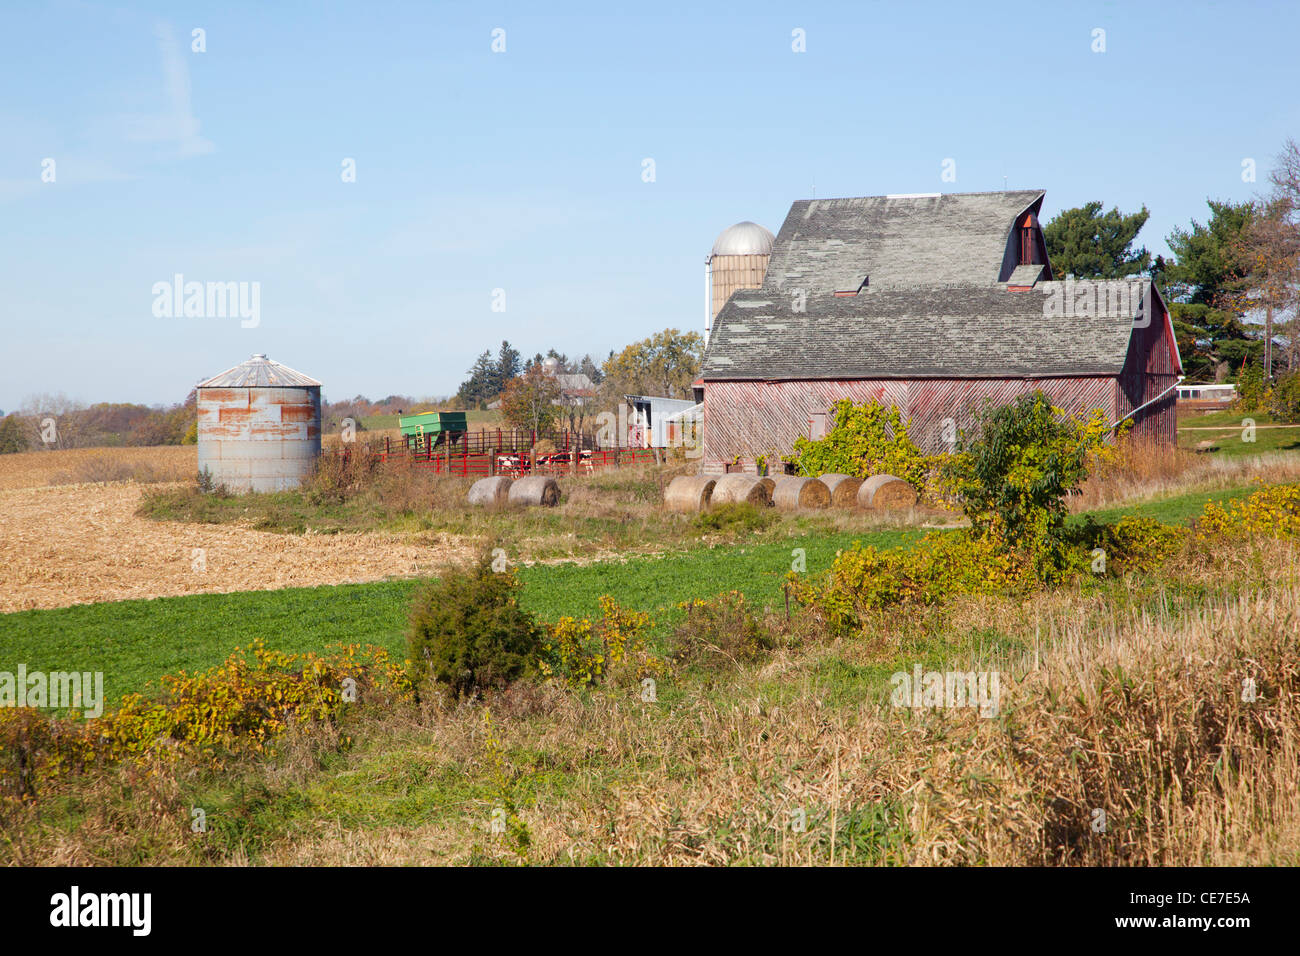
pixel 744 239
pixel 260 372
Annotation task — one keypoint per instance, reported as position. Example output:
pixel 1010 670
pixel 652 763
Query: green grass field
pixel 1227 432
pixel 135 642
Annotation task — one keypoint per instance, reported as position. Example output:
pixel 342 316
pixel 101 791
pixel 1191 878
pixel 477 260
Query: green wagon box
pixel 434 427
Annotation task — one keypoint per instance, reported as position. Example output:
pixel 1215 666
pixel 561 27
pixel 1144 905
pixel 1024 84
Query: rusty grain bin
pixel 740 489
pixel 490 491
pixel 258 426
pixel 886 493
pixel 534 490
pixel 793 493
pixel 689 493
pixel 843 489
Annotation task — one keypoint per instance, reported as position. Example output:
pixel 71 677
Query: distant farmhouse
pixel 933 303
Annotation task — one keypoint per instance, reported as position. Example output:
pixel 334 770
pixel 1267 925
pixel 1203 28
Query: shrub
pixel 1253 392
pixel 1140 544
pixel 12 438
pixel 1284 401
pixel 734 516
pixel 582 653
pixel 239 707
pixel 720 628
pixel 1270 512
pixel 341 475
pixel 867 439
pixel 864 579
pixel 1013 477
pixel 467 631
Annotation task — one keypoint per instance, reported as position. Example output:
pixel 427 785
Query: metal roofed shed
pixel 650 414
pixel 259 426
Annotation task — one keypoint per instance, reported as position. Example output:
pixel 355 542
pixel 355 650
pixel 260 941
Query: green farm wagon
pixel 432 429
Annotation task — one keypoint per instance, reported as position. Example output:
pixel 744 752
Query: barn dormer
pixel 1026 262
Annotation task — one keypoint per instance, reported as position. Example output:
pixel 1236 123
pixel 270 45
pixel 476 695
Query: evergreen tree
pixel 1093 245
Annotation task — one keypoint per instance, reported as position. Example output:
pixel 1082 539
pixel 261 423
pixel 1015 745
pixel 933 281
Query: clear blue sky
pixel 523 170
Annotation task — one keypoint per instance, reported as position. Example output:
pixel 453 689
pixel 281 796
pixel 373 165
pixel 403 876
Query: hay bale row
pixel 490 492
pixel 689 494
pixel 843 489
pixel 792 493
pixel 886 493
pixel 741 489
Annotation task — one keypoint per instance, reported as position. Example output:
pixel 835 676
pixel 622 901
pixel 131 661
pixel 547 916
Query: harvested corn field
pixel 78 544
pixel 39 469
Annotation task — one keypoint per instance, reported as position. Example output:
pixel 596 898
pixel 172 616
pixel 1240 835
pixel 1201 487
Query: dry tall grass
pixel 1144 472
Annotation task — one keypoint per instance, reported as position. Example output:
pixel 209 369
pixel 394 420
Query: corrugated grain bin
pixel 258 426
pixel 689 493
pixel 741 489
pixel 843 489
pixel 886 493
pixel 534 490
pixel 493 492
pixel 793 493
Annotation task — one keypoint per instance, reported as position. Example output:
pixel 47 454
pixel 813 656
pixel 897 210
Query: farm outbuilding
pixel 258 426
pixel 933 304
pixel 647 424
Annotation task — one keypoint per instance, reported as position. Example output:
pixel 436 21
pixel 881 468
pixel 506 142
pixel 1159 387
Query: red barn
pixel 932 303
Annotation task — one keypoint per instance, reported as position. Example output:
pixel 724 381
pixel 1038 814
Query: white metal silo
pixel 259 426
pixel 738 260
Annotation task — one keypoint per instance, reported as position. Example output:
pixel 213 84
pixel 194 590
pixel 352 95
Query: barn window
pixel 1028 246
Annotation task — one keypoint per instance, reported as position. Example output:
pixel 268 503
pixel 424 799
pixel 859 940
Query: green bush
pixel 1253 392
pixel 12 438
pixel 719 630
pixel 865 440
pixel 1012 478
pixel 863 580
pixel 1284 400
pixel 734 516
pixel 1143 544
pixel 467 631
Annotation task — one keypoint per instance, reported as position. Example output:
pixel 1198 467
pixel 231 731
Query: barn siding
pixel 1149 369
pixel 745 419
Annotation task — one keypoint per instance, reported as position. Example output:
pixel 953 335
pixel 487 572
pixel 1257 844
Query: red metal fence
pixel 483 456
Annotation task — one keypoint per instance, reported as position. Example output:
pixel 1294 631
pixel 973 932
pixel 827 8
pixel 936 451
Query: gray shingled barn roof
pixel 826 245
pixel 972 332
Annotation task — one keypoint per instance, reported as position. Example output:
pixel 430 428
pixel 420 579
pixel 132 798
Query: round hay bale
pixel 740 489
pixel 886 493
pixel 769 484
pixel 843 489
pixel 794 493
pixel 492 492
pixel 688 493
pixel 535 490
